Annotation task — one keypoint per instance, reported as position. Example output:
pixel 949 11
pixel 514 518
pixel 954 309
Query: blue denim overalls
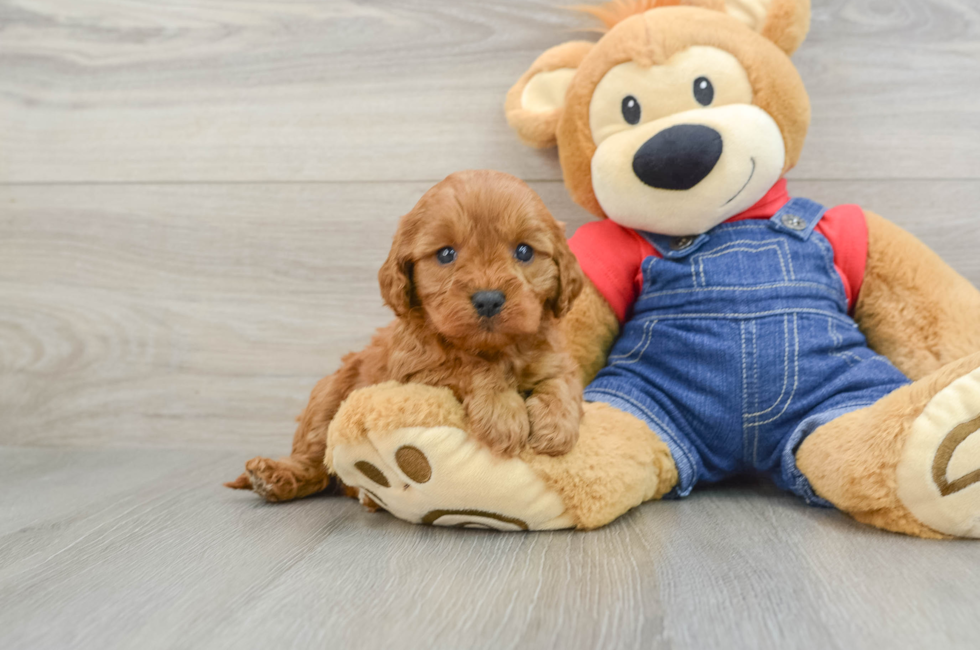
pixel 740 346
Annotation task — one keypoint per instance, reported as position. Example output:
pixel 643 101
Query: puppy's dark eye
pixel 704 92
pixel 631 109
pixel 446 255
pixel 524 253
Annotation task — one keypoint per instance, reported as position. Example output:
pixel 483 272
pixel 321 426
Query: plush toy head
pixel 683 114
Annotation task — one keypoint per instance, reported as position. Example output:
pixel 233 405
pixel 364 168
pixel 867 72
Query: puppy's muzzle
pixel 488 303
pixel 679 157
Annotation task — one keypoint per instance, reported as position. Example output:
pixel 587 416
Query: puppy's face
pixel 482 259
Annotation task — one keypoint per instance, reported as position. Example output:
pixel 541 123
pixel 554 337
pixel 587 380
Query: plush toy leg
pixel 617 464
pixel 909 463
pixel 405 448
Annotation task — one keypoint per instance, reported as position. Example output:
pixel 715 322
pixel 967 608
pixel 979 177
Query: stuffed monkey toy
pixel 727 327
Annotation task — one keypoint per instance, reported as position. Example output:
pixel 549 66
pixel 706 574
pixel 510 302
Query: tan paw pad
pixel 439 476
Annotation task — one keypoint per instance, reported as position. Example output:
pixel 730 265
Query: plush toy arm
pixel 405 447
pixel 590 328
pixel 913 308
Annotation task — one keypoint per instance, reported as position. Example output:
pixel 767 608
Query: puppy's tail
pixel 240 483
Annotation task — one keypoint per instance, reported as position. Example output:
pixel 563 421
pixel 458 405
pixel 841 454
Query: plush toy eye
pixel 704 92
pixel 631 109
pixel 524 253
pixel 446 255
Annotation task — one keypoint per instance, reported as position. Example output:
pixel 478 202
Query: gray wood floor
pixel 194 202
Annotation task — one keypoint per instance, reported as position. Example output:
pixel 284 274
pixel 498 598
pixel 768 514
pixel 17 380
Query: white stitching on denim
pixel 745 378
pixel 796 375
pixel 828 258
pixel 744 226
pixel 837 340
pixel 789 259
pixel 644 342
pixel 782 392
pixel 846 356
pixel 755 287
pixel 731 247
pixel 759 314
pixel 758 429
pixel 755 364
pixel 746 388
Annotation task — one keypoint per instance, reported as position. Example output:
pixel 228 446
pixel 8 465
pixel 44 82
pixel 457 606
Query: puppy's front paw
pixel 554 424
pixel 500 422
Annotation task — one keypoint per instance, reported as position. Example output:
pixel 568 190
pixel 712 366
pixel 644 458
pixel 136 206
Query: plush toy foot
pixel 405 447
pixel 938 475
pixel 911 462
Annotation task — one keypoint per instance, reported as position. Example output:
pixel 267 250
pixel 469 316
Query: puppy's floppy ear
pixel 535 103
pixel 570 276
pixel 395 275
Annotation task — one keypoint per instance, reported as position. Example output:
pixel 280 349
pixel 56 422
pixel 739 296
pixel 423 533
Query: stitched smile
pixel 751 174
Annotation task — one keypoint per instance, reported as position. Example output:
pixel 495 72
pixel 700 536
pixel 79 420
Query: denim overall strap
pixel 798 218
pixel 675 248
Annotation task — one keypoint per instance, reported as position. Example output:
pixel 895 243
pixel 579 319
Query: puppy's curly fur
pixel 470 233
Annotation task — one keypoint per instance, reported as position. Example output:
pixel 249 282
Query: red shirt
pixel 611 255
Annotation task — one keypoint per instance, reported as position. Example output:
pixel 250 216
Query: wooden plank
pixel 153 553
pixel 202 315
pixel 106 91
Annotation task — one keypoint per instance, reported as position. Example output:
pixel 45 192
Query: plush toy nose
pixel 488 303
pixel 679 157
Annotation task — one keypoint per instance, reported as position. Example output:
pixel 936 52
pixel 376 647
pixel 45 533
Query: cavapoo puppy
pixel 478 274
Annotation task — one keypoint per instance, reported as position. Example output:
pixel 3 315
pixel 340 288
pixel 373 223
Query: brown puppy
pixel 478 274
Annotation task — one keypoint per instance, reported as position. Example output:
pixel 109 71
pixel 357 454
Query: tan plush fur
pixel 617 464
pixel 590 329
pixel 517 383
pixel 787 23
pixel 649 39
pixel 851 461
pixel 615 12
pixel 536 129
pixel 913 307
pixel 391 405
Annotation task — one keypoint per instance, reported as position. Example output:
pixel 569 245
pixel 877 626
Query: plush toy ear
pixel 535 102
pixel 784 22
pixel 395 275
pixel 570 276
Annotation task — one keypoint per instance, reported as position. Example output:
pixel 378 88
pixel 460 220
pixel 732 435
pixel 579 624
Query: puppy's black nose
pixel 679 157
pixel 488 303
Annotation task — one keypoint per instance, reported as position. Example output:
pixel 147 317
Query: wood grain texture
pixel 194 201
pixel 138 90
pixel 185 315
pixel 202 315
pixel 152 553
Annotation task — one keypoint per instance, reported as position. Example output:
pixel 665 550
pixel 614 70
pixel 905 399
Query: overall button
pixel 793 222
pixel 681 243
